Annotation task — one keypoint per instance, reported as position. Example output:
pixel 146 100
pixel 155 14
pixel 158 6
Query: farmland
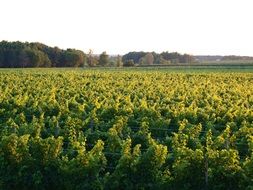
pixel 126 129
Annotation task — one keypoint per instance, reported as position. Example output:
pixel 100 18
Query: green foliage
pixel 128 63
pixel 103 59
pixel 18 54
pixel 92 129
pixel 148 58
pixel 135 56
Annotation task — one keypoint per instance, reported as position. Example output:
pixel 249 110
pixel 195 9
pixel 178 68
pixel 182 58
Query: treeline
pixel 18 54
pixel 219 58
pixel 237 58
pixel 149 58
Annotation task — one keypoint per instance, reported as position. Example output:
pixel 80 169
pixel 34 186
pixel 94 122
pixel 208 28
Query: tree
pixel 142 61
pixel 176 57
pixel 103 59
pixel 24 59
pixel 73 58
pixel 164 61
pixel 92 61
pixel 36 58
pixel 149 59
pixel 18 54
pixel 119 61
pixel 128 63
pixel 135 56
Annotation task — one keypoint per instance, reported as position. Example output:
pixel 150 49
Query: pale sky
pixel 199 27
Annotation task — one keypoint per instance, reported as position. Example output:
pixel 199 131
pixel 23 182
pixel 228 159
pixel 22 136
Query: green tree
pixel 103 59
pixel 73 58
pixel 128 63
pixel 135 56
pixel 18 54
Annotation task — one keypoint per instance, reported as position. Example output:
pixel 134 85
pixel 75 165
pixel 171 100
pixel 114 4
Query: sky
pixel 198 27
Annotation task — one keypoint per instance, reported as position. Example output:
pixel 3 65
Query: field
pixel 126 128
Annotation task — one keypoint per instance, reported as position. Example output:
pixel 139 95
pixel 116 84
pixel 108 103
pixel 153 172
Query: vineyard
pixel 125 129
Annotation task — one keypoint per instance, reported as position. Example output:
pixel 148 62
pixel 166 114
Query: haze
pixel 199 27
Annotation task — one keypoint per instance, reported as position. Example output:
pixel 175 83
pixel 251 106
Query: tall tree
pixel 119 61
pixel 91 60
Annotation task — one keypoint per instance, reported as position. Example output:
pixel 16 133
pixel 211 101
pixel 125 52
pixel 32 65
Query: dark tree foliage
pixel 18 54
pixel 174 57
pixel 103 59
pixel 237 58
pixel 135 56
pixel 128 63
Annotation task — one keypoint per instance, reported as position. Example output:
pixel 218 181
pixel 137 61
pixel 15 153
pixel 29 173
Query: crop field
pixel 126 129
